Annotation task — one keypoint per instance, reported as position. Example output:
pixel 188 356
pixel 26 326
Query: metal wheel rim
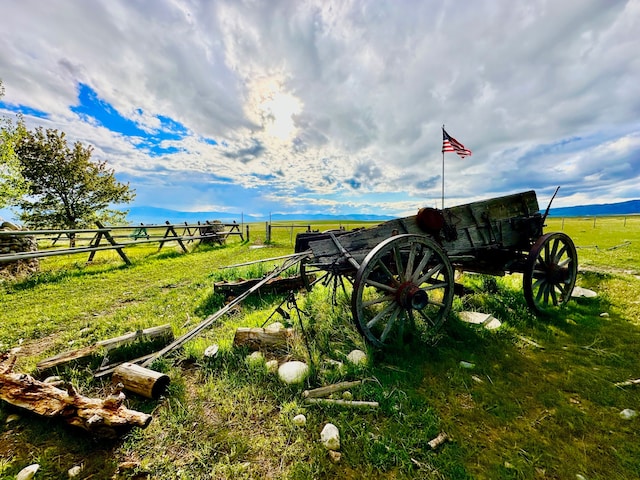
pixel 552 268
pixel 387 301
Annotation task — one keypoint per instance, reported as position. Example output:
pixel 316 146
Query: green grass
pixel 540 401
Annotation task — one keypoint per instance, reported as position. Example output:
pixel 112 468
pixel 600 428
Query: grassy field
pixel 540 400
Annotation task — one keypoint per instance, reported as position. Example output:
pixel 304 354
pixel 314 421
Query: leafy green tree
pixel 12 184
pixel 66 188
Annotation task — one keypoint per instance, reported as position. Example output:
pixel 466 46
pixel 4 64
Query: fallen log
pixel 263 338
pixel 103 418
pixel 162 333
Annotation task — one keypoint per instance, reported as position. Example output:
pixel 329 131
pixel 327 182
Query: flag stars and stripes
pixel 450 144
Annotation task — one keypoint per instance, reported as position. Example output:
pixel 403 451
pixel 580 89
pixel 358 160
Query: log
pixel 263 338
pixel 140 380
pixel 329 389
pixel 103 418
pixel 162 332
pixel 343 403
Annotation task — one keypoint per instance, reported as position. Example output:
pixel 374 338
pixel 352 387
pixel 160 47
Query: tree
pixel 12 184
pixel 66 189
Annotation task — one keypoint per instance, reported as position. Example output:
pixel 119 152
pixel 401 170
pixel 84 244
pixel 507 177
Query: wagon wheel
pixel 550 272
pixel 405 281
pixel 321 275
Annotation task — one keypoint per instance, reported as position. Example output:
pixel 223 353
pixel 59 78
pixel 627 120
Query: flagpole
pixel 442 204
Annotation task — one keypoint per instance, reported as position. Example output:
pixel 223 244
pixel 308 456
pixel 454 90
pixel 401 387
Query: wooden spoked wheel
pixel 404 285
pixel 550 272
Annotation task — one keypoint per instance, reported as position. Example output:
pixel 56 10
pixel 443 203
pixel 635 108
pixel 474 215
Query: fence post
pixel 268 233
pixel 247 232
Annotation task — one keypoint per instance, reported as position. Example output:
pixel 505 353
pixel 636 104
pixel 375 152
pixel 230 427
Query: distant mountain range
pixel 154 215
pixel 622 208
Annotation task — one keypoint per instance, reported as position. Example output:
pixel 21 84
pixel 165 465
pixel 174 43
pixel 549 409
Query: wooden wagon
pixel 402 271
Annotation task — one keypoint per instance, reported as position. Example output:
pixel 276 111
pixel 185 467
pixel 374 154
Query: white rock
pixel 604 315
pixel 299 420
pixel 580 477
pixel 14 417
pixel 75 471
pixel 583 292
pixel 27 473
pixel 357 357
pixel 335 456
pixel 293 372
pixel 211 351
pixel 53 379
pixel 275 326
pixel 628 414
pixel 469 365
pixel 254 358
pixel 478 318
pixel 334 363
pixel 330 437
pixel 272 366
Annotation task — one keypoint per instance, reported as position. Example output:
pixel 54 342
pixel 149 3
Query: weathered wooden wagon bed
pixel 402 271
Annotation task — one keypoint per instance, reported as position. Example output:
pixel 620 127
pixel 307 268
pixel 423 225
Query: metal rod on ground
pixel 212 318
pixel 263 260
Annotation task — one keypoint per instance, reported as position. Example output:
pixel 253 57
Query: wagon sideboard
pixel 491 236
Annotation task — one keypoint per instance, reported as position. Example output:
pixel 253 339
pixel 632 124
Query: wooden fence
pixel 111 238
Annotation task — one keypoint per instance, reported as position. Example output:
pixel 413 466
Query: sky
pixel 335 107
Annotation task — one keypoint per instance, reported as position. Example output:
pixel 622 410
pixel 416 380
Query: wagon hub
pixel 555 274
pixel 410 296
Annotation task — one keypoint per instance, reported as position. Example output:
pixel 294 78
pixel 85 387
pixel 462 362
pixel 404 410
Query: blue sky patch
pixel 96 110
pixel 24 110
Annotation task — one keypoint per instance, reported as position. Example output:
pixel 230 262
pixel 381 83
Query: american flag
pixel 450 144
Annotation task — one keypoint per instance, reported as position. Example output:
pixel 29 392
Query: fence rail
pixel 105 238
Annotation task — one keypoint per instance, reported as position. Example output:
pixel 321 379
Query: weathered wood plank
pixel 162 332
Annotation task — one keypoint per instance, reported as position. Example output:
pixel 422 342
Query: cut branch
pixel 343 403
pixel 628 383
pixel 329 389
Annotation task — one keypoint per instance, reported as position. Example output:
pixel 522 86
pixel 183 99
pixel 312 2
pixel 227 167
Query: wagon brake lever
pixel 544 217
